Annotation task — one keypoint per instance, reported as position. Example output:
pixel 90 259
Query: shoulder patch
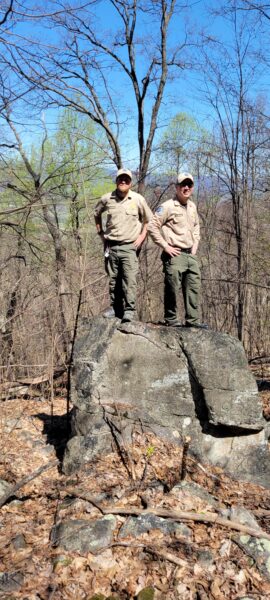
pixel 160 210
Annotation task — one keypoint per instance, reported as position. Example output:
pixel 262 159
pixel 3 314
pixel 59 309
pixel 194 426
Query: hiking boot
pixel 174 323
pixel 197 325
pixel 127 318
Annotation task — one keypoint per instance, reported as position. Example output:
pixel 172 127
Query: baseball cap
pixel 123 172
pixel 182 176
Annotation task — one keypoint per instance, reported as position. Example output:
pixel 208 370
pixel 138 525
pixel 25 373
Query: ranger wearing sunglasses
pixel 122 236
pixel 175 227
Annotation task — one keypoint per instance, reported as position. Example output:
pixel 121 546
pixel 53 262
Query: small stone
pixel 258 549
pixel 103 561
pixel 181 588
pixel 146 594
pixel 194 489
pixel 84 536
pixel 135 526
pixel 242 515
pixel 47 449
pixel 97 597
pixel 18 542
pixel 4 487
pixel 10 582
pixel 16 503
pixel 205 557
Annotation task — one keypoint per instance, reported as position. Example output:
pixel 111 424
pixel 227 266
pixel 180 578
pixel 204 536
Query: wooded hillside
pixel 63 136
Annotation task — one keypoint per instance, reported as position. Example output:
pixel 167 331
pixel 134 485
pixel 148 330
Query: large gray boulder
pixel 173 382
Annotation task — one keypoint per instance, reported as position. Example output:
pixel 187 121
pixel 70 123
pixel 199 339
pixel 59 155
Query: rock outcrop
pixel 173 382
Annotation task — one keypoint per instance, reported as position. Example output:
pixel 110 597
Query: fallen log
pixel 27 386
pixel 202 517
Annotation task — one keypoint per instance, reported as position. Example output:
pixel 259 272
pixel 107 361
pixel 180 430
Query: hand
pixel 194 250
pixel 172 251
pixel 138 242
pixel 101 235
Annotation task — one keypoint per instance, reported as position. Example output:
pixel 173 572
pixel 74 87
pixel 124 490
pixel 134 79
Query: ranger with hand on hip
pixel 125 231
pixel 175 227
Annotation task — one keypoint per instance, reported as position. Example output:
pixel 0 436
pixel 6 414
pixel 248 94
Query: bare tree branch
pixel 7 13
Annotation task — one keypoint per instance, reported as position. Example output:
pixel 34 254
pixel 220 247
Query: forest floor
pixel 210 565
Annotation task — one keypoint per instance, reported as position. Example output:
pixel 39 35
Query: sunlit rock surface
pixel 173 382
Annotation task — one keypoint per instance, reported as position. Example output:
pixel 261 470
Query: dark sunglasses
pixel 124 178
pixel 186 182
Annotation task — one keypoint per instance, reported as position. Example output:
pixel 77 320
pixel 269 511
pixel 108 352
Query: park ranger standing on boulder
pixel 175 227
pixel 125 231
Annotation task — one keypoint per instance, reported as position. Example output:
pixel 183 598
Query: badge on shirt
pixel 132 205
pixel 159 210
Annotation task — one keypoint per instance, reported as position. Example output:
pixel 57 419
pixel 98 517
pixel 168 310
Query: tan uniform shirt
pixel 175 225
pixel 125 218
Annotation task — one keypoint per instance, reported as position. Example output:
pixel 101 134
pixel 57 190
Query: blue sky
pixel 183 94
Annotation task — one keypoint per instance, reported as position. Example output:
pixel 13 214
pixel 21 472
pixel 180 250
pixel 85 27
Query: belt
pixel 117 243
pixel 186 250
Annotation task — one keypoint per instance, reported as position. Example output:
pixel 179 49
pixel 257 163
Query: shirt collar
pixel 116 197
pixel 177 203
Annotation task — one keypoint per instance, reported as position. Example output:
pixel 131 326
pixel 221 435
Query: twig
pixel 53 590
pixel 144 473
pixel 84 496
pixel 125 446
pixel 70 361
pixel 25 480
pixel 152 550
pixel 121 445
pixel 206 517
pixel 260 512
pixel 203 469
pixel 183 470
pixel 189 516
pixel 167 556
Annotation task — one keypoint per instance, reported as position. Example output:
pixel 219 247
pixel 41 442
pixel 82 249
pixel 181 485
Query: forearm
pixel 196 236
pixel 140 239
pixel 98 222
pixel 195 247
pixel 154 230
pixel 143 233
pixel 159 240
pixel 99 210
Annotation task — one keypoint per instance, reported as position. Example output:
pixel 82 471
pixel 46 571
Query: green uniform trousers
pixel 122 268
pixel 182 270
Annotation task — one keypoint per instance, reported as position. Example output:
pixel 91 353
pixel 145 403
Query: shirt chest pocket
pixel 112 208
pixel 178 219
pixel 131 211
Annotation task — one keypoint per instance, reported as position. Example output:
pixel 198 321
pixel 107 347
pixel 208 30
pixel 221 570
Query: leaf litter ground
pixel 206 565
